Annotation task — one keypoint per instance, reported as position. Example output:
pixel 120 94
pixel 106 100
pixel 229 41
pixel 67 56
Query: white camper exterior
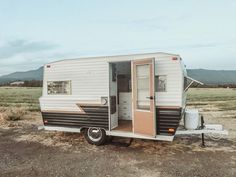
pixel 114 94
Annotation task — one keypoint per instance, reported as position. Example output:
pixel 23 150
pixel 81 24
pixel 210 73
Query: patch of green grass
pixel 26 97
pixel 222 98
pixel 211 94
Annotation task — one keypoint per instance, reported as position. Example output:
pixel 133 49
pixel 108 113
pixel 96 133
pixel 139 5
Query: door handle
pixel 150 97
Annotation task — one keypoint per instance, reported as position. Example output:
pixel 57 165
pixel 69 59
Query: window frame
pixel 145 76
pixel 70 87
pixel 156 83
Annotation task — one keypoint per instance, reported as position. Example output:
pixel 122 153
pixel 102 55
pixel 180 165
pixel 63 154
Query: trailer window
pixel 59 87
pixel 160 82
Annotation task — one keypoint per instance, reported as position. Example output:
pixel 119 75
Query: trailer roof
pixel 114 56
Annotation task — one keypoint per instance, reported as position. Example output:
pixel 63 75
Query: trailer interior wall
pixel 120 87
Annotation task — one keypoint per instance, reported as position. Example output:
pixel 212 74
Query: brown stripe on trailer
pixel 168 119
pixel 92 116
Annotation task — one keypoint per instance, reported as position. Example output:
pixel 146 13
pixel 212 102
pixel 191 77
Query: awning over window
pixel 191 81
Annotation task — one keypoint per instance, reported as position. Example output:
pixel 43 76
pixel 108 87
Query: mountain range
pixel 208 77
pixel 213 77
pixel 23 76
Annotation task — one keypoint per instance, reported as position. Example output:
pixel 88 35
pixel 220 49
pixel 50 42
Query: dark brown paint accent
pixel 168 118
pixel 93 116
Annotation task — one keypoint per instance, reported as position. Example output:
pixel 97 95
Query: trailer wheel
pixel 96 136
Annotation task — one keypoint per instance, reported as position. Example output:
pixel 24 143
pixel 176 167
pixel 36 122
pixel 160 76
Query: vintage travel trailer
pixel 136 96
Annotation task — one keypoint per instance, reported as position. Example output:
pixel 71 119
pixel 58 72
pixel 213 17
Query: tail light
pixel 171 130
pixel 174 58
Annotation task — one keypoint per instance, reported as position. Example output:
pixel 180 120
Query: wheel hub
pixel 95 134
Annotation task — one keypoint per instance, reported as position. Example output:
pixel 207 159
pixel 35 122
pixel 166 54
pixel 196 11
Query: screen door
pixel 143 97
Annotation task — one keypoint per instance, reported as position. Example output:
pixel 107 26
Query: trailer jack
pixel 202 126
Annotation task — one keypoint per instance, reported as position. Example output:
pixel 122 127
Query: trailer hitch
pixel 202 127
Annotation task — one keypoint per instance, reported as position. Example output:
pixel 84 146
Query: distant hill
pixel 210 77
pixel 23 76
pixel 206 76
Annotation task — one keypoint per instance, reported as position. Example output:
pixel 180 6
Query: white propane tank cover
pixel 191 120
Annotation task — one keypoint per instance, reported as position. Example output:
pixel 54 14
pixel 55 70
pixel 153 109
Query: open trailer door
pixel 143 93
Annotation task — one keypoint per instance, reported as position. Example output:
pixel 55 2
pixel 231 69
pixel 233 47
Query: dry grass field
pixel 24 97
pixel 26 151
pixel 218 105
pixel 27 97
pixel 223 99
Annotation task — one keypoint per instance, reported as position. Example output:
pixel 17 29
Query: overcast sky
pixel 33 33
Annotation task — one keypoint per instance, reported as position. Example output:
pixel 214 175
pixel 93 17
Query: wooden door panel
pixel 143 97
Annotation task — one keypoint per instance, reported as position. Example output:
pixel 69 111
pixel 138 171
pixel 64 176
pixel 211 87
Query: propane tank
pixel 191 119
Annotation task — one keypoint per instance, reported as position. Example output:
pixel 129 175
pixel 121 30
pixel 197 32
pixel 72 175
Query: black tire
pixel 96 136
pixel 109 139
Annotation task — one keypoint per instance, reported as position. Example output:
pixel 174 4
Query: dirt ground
pixel 27 151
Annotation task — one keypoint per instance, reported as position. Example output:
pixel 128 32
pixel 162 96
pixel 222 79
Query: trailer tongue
pixel 207 129
pixel 214 131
